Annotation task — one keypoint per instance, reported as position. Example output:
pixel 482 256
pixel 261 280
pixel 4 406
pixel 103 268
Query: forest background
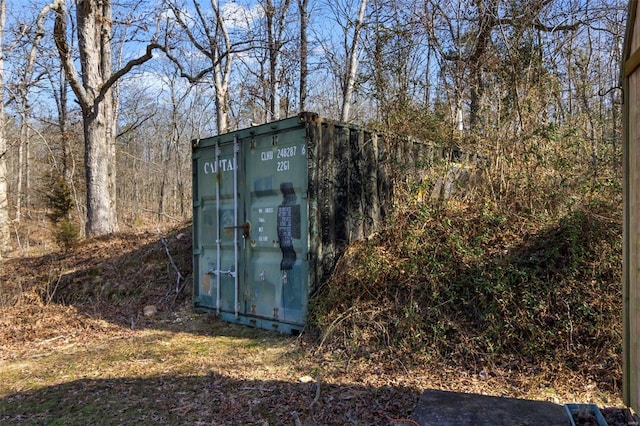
pixel 534 86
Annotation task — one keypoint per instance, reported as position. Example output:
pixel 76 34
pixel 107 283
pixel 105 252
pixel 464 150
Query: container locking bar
pixel 218 241
pixel 218 272
pixel 236 195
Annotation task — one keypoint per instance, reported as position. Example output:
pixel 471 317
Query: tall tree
pixel 303 10
pixel 4 203
pixel 266 64
pixel 394 62
pixel 477 38
pixel 352 64
pixel 275 16
pixel 20 94
pixel 211 38
pixel 94 92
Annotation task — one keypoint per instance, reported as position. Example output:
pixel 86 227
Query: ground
pixel 76 348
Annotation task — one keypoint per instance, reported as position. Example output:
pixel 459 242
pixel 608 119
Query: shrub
pixel 66 234
pixel 60 201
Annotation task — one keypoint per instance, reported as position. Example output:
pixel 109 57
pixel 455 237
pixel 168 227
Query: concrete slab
pixel 443 408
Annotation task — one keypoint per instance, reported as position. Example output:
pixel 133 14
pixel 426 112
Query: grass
pixel 199 370
pixel 146 376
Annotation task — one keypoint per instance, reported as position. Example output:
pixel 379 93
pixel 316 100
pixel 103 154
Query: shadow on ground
pixel 212 398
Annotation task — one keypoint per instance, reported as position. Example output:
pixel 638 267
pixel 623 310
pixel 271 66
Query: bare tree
pixel 303 10
pixel 352 64
pixel 4 204
pixel 94 94
pixel 476 38
pixel 20 91
pixel 266 64
pixel 275 16
pixel 211 39
pixel 393 64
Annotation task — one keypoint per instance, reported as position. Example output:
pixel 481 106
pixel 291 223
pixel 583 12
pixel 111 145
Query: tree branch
pixel 177 14
pixel 179 276
pixel 60 39
pixel 128 67
pixel 535 23
pixel 134 126
pixel 546 28
pixel 191 78
pixel 197 77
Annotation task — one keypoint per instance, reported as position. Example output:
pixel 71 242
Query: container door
pixel 277 265
pixel 219 218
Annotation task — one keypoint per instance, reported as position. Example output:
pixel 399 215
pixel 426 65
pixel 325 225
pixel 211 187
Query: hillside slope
pixel 456 290
pixel 469 286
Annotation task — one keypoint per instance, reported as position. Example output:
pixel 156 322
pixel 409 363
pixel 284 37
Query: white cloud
pixel 145 81
pixel 237 16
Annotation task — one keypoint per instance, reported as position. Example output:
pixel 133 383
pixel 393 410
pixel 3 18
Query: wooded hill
pixel 520 82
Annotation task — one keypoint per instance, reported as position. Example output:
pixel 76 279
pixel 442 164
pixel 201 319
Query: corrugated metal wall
pixel 631 224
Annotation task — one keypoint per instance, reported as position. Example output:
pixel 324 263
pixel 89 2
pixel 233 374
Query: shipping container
pixel 275 205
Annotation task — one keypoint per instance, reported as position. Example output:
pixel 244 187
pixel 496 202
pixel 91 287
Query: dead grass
pixel 75 349
pixel 185 368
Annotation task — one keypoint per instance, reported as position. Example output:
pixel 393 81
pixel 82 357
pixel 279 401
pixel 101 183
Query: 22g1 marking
pixel 283 166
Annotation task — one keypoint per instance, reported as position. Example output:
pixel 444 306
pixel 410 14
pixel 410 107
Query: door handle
pixel 246 228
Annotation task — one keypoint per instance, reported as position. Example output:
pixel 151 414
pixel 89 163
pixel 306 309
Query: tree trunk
pixel 222 109
pixel 67 155
pixel 21 166
pixel 352 65
pixel 95 96
pixel 94 38
pixel 272 114
pixel 275 23
pixel 100 160
pixel 304 23
pixel 4 204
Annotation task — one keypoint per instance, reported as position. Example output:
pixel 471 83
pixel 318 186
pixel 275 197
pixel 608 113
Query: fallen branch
pixel 53 339
pixel 410 421
pixel 156 212
pixel 51 293
pixel 317 391
pixel 179 276
pixel 296 418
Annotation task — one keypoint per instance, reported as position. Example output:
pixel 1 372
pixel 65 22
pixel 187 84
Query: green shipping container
pixel 275 205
